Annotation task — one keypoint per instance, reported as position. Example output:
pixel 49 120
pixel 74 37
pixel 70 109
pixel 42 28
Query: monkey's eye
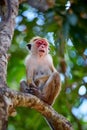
pixel 41 42
pixel 45 44
pixel 38 43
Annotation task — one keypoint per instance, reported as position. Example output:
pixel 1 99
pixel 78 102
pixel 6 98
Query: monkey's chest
pixel 42 72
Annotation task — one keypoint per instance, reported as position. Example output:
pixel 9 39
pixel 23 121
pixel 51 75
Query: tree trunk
pixel 6 34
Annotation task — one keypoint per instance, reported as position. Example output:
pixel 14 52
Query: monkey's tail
pixel 49 123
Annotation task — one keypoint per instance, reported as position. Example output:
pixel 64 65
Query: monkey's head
pixel 38 46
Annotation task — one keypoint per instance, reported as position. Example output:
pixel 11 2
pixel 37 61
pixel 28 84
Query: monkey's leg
pixel 51 89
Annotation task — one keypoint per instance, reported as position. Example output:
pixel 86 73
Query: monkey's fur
pixel 43 80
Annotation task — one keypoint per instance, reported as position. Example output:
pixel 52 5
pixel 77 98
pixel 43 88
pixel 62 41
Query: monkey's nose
pixel 42 46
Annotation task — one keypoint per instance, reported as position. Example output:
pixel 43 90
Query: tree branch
pixel 15 99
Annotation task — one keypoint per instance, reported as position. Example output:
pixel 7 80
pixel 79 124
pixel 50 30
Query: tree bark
pixel 10 99
pixel 6 34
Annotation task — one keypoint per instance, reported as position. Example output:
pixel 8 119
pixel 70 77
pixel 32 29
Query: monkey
pixel 5 8
pixel 43 80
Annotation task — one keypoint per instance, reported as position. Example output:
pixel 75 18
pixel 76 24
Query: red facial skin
pixel 42 46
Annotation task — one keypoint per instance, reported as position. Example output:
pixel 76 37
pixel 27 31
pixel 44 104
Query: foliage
pixel 65 28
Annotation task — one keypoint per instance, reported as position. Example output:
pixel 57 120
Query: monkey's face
pixel 42 46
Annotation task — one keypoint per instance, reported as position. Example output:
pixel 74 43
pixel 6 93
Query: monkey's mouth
pixel 41 51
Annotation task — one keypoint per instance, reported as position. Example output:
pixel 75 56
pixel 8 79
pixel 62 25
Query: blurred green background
pixel 65 26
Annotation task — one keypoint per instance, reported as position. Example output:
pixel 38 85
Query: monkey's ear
pixel 29 46
pixel 49 48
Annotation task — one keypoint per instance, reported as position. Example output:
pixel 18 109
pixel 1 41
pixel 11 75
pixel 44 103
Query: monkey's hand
pixel 34 90
pixel 24 87
pixel 32 85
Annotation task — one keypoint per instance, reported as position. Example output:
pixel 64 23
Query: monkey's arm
pixel 30 71
pixel 51 64
pixel 30 81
